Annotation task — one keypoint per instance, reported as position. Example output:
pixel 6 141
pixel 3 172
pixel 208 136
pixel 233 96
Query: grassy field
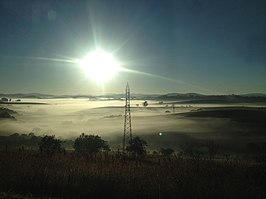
pixel 69 175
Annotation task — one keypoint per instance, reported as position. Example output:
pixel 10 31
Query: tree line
pixel 84 144
pixel 92 144
pixel 89 144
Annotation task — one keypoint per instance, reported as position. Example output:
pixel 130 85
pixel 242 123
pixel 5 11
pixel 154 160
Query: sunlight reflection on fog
pixel 70 117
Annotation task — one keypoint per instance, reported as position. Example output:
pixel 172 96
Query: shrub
pixel 166 151
pixel 137 146
pixel 90 144
pixel 50 145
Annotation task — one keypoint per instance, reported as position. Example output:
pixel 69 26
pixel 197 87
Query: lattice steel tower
pixel 127 121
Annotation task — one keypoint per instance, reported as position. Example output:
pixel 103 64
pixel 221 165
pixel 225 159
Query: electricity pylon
pixel 127 122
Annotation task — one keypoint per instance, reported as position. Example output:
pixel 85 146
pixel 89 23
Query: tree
pixel 4 99
pixel 137 146
pixel 145 104
pixel 50 145
pixel 166 151
pixel 90 144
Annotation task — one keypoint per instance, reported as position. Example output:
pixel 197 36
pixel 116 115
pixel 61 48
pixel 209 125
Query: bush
pixel 137 146
pixel 50 145
pixel 90 144
pixel 166 151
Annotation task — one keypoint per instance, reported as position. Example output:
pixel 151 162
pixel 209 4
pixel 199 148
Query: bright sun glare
pixel 100 66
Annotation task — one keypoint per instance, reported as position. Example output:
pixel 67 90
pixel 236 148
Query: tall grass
pixel 109 175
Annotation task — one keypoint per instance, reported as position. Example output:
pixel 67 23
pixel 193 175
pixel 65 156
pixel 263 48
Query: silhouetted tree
pixel 137 146
pixel 145 103
pixel 166 151
pixel 31 134
pixel 90 144
pixel 50 145
pixel 4 99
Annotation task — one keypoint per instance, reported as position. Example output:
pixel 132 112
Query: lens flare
pixel 99 66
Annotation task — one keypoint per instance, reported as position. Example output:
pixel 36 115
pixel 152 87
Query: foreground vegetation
pixel 92 169
pixel 106 174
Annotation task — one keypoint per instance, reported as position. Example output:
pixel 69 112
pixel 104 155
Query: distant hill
pixel 195 98
pixel 179 97
pixel 26 95
pixel 254 95
pixel 48 96
pixel 6 113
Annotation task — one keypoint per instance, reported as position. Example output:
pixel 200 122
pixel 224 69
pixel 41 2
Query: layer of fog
pixel 68 118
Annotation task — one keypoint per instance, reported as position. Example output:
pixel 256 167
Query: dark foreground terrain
pixel 199 169
pixel 31 174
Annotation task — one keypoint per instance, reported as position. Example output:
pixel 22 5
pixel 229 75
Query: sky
pixel 203 46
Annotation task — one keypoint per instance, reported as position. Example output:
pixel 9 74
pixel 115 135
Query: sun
pixel 99 66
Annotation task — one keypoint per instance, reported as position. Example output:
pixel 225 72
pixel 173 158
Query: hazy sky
pixel 205 46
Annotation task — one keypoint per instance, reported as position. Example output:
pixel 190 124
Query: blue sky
pixel 204 46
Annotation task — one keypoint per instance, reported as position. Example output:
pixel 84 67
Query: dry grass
pixel 107 175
